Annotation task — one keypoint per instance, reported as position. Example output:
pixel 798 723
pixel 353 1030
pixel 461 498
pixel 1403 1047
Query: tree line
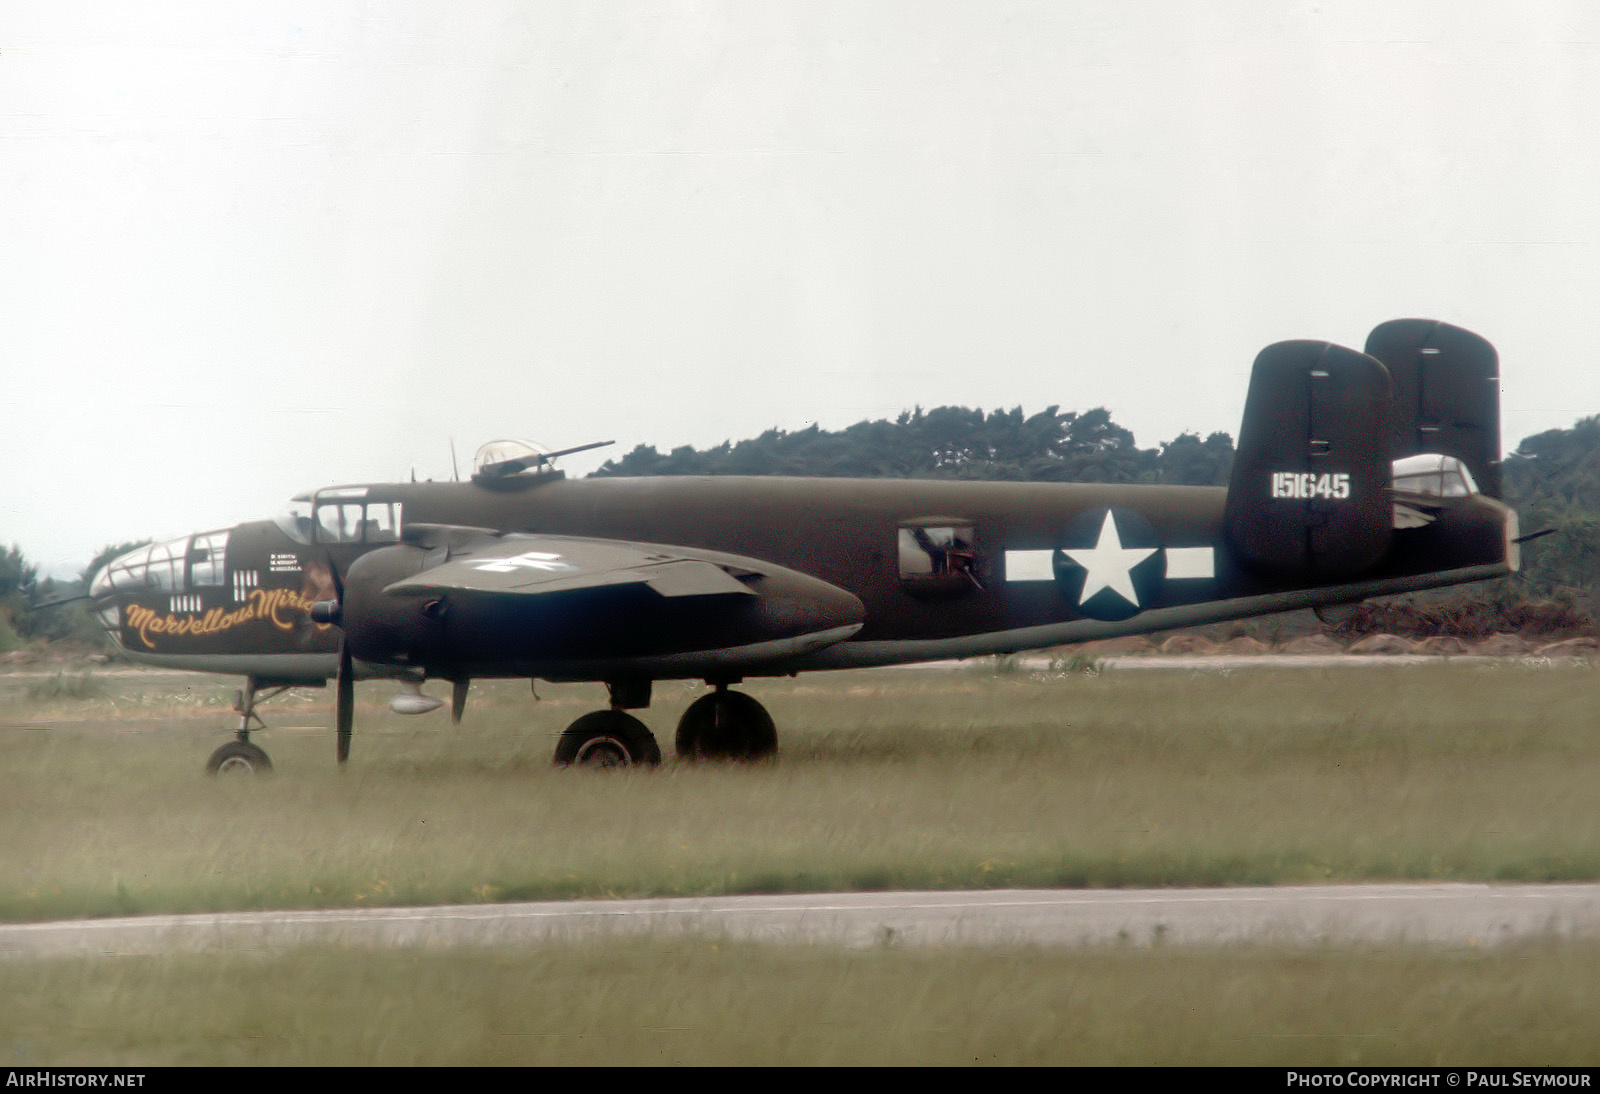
pixel 26 614
pixel 954 442
pixel 1552 479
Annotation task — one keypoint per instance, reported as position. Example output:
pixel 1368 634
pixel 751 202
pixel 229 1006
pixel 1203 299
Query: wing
pixel 470 602
pixel 539 565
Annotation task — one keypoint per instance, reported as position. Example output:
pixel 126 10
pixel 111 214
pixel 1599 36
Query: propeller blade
pixel 338 582
pixel 458 698
pixel 345 700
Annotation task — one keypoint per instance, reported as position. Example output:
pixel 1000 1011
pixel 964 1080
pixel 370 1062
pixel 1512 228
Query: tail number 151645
pixel 1333 486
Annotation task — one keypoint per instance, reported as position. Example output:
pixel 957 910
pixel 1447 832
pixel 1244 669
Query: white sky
pixel 252 248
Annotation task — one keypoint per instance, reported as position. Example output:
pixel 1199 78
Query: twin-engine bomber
pixel 1356 475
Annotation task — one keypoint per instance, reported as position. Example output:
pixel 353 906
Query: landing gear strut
pixel 239 756
pixel 726 725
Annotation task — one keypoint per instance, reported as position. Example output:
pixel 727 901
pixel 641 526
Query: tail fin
pixel 1447 394
pixel 1310 487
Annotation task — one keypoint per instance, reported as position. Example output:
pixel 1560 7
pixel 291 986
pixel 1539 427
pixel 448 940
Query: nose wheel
pixel 238 758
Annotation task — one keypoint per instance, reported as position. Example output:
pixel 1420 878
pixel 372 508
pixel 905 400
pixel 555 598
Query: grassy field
pixel 704 1002
pixel 905 778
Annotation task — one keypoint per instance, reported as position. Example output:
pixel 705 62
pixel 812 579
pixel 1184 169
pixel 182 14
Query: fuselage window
pixel 937 556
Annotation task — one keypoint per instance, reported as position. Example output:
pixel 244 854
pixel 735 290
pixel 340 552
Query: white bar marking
pixel 1190 562
pixel 1030 566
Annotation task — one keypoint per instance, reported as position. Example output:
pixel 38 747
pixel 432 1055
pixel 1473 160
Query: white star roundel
pixel 1109 564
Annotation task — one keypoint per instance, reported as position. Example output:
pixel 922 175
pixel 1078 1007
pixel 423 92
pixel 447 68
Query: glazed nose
pixel 100 583
pixel 104 605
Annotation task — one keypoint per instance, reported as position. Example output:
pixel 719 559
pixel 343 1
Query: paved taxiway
pixel 1450 914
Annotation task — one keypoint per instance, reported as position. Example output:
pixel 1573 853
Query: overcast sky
pixel 249 249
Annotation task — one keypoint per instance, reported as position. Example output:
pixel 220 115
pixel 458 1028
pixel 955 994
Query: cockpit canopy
pixel 1432 475
pixel 341 514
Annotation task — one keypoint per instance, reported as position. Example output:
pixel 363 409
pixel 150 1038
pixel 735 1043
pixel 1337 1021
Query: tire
pixel 606 739
pixel 238 758
pixel 727 725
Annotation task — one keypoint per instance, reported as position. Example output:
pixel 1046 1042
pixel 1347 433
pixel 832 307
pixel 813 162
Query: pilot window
pixel 344 521
pixel 937 557
pixel 339 523
pixel 296 520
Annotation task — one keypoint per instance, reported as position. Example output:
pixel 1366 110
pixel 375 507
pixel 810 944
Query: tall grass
pixel 899 778
pixel 689 1001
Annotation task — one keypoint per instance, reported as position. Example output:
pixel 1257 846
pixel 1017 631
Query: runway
pixel 1446 914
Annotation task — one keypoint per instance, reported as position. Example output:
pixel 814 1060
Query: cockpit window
pixel 339 523
pixel 295 521
pixel 341 515
pixel 1432 475
pixel 382 522
pixel 345 521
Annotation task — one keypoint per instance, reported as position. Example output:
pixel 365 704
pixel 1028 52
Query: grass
pixel 82 685
pixel 704 1002
pixel 892 779
pixel 887 779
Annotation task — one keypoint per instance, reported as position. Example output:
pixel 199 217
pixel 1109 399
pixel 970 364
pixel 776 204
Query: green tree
pixel 1553 481
pixel 17 576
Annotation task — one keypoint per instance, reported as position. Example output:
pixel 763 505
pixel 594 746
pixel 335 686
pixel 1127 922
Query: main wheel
pixel 607 738
pixel 238 758
pixel 726 725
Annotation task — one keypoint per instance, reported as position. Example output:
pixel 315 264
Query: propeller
pixel 344 703
pixel 382 631
pixel 344 700
pixel 458 698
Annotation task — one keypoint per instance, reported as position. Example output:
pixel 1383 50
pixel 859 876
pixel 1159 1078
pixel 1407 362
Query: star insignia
pixel 1108 564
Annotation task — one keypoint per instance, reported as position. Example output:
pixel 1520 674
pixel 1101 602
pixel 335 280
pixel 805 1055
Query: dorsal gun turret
pixel 513 462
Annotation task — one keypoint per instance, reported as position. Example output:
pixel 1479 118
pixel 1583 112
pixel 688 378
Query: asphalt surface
pixel 1451 914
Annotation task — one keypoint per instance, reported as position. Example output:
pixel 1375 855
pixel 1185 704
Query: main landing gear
pixel 239 756
pixel 608 738
pixel 724 725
